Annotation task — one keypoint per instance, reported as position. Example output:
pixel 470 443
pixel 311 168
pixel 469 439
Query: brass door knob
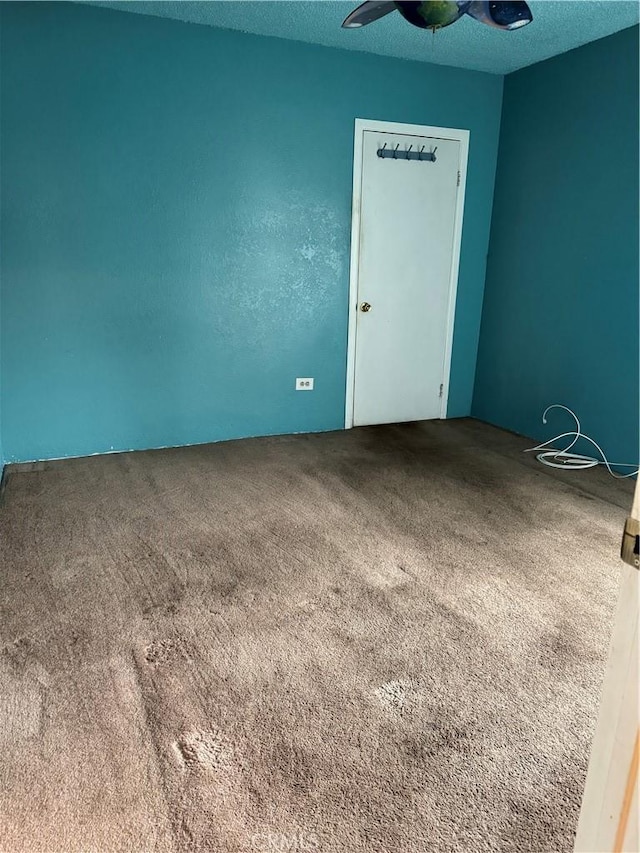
pixel 364 306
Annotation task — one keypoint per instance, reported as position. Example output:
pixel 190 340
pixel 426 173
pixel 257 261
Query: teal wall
pixel 2 460
pixel 176 205
pixel 560 317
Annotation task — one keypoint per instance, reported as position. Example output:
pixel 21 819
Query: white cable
pixel 576 461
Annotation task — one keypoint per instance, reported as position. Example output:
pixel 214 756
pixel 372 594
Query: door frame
pixel 461 136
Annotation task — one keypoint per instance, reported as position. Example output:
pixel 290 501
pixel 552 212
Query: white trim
pixel 461 136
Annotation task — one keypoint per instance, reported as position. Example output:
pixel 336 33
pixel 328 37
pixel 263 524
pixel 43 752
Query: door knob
pixel 364 306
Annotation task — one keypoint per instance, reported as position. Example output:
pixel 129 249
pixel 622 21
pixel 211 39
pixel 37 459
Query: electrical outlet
pixel 305 384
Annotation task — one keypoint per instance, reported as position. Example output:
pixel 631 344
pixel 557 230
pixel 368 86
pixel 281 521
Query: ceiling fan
pixel 435 14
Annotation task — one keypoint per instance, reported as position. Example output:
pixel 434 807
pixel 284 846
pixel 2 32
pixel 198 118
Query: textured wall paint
pixel 176 218
pixel 2 460
pixel 560 319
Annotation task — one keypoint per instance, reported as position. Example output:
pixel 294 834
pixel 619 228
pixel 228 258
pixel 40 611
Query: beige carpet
pixel 390 639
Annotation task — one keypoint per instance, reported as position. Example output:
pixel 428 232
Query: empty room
pixel 319 427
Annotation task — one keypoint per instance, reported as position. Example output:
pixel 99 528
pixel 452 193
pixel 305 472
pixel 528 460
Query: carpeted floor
pixel 389 639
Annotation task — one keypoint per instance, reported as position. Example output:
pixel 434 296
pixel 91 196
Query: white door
pixel 406 250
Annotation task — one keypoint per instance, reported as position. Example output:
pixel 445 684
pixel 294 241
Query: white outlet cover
pixel 304 384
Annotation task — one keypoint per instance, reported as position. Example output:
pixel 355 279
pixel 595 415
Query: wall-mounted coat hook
pixel 407 154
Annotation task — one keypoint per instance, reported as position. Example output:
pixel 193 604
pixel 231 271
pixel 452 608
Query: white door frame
pixel 461 136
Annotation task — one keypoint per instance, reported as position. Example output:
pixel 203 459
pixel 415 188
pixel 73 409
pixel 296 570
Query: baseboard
pixel 27 467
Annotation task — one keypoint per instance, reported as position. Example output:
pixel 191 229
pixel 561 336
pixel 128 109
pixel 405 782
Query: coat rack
pixel 407 153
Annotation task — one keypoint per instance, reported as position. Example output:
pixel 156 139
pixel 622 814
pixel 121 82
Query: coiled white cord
pixel 576 461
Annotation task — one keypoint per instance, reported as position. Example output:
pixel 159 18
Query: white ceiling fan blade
pixel 368 12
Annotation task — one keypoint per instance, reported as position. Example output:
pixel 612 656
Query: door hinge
pixel 630 550
pixel 458 184
pixel 441 390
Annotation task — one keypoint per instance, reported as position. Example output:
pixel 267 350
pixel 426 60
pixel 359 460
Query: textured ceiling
pixel 556 28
